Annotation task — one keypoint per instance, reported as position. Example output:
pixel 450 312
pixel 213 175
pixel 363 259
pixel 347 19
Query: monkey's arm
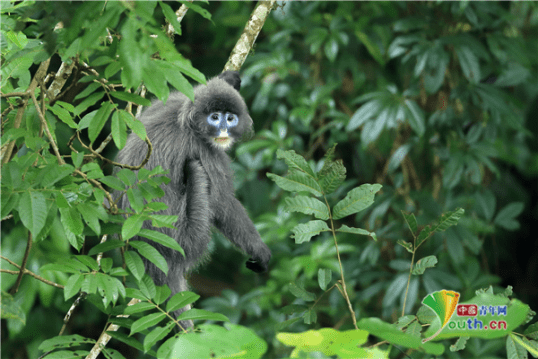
pixel 233 221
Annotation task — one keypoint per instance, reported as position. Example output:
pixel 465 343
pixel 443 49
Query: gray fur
pixel 201 190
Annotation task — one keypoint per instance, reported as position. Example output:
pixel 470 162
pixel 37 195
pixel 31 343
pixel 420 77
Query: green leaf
pixel 170 17
pixel 346 229
pixel 532 331
pixel 113 182
pixel 106 246
pixel 54 173
pixel 127 176
pixel 332 176
pixel 138 308
pixel 415 117
pixel 64 341
pixel 469 64
pixel 506 218
pixel 331 49
pixel 411 222
pixel 9 202
pixel 297 182
pixel 307 205
pixel 163 292
pixel 155 81
pixel 157 334
pixel 422 264
pixel 112 69
pixel 200 314
pixel 98 27
pixel 90 283
pixel 295 161
pixel 135 264
pixel 398 156
pixel 132 57
pixel 356 200
pixel 88 262
pixel 329 342
pixel 33 211
pixel 112 288
pixel 324 278
pixel 408 246
pixel 70 218
pixel 73 285
pixel 517 347
pixel 197 9
pixel 99 120
pixel 146 322
pixel 106 264
pixel 132 226
pixel 151 254
pixel 173 75
pixel 161 238
pixel 363 114
pixel 119 131
pixel 446 220
pixel 84 105
pixel 180 300
pixel 130 341
pixel 134 124
pixel 301 293
pixel 303 232
pixel 63 115
pixel 131 97
pixel 372 48
pixel 91 215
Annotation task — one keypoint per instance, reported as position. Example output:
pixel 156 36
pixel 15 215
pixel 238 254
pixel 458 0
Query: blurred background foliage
pixel 436 101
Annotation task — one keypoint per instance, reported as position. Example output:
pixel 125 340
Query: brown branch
pixel 15 288
pixel 26 271
pixel 69 313
pixel 180 14
pixel 248 37
pixel 38 77
pixel 135 168
pixel 61 78
pixel 104 337
pixel 47 131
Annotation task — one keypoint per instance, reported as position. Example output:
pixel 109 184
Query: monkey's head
pixel 219 113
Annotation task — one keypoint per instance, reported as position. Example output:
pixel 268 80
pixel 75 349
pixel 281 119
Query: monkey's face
pixel 222 125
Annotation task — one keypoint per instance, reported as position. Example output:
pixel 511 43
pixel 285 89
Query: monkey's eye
pixel 232 119
pixel 215 116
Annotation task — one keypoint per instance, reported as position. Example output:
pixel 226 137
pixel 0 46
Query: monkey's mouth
pixel 222 142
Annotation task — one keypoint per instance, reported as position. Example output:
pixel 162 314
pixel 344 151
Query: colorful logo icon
pixel 443 303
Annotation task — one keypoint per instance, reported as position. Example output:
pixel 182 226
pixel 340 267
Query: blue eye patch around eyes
pixel 222 120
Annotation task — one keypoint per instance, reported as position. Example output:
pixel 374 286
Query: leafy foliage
pixel 433 101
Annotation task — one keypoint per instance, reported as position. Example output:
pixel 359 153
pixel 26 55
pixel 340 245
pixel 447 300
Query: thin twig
pixel 26 271
pixel 15 288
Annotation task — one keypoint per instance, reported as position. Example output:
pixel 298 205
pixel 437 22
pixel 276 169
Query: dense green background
pixel 435 101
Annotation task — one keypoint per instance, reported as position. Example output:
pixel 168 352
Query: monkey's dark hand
pixel 260 260
pixel 256 266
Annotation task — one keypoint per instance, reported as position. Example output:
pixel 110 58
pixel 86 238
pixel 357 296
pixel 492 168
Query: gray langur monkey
pixel 190 140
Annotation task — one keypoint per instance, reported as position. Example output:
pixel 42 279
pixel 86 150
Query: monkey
pixel 190 139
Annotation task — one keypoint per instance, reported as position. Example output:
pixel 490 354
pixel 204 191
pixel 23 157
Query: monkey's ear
pixel 231 77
